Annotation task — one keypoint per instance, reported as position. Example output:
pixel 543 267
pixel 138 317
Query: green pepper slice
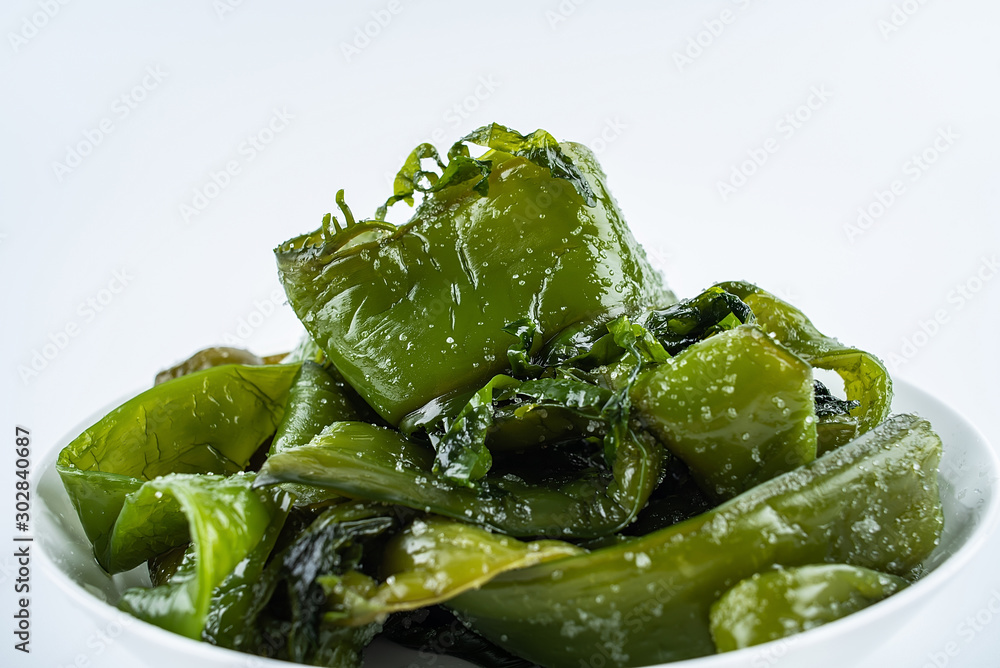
pixel 736 407
pixel 872 503
pixel 433 561
pixel 317 398
pixel 412 313
pixel 363 461
pixel 865 377
pixel 210 421
pixel 206 359
pixel 777 604
pixel 231 527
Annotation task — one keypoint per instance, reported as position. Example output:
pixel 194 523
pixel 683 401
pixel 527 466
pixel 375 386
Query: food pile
pixel 502 437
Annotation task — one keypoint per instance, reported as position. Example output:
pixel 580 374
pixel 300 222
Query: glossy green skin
pixel 865 377
pixel 777 604
pixel 206 359
pixel 419 312
pixel 362 461
pixel 647 601
pixel 433 560
pixel 737 408
pixel 211 421
pixel 227 523
pixel 317 399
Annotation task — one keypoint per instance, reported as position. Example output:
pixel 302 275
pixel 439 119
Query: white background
pixel 667 132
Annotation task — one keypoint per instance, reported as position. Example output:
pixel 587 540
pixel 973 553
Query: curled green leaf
pixel 866 379
pixel 462 454
pixel 230 526
pixel 519 354
pixel 433 561
pixel 210 421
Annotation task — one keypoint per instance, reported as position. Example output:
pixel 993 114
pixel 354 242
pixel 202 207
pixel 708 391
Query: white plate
pixel 969 470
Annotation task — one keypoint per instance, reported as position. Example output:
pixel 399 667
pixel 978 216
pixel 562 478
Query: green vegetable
pixel 287 602
pixel 318 397
pixel 413 313
pixel 367 462
pixel 549 411
pixel 434 560
pixel 663 332
pixel 462 456
pixel 737 408
pixel 777 604
pixel 500 374
pixel 227 524
pixel 681 325
pixel 872 503
pixel 865 377
pixel 519 354
pixel 211 421
pixel 678 498
pixel 507 414
pixel 206 359
pixel 539 148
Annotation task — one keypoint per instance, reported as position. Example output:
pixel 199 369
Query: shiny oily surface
pixel 733 433
pixel 970 507
pixel 420 313
pixel 778 604
pixel 435 559
pixel 872 503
